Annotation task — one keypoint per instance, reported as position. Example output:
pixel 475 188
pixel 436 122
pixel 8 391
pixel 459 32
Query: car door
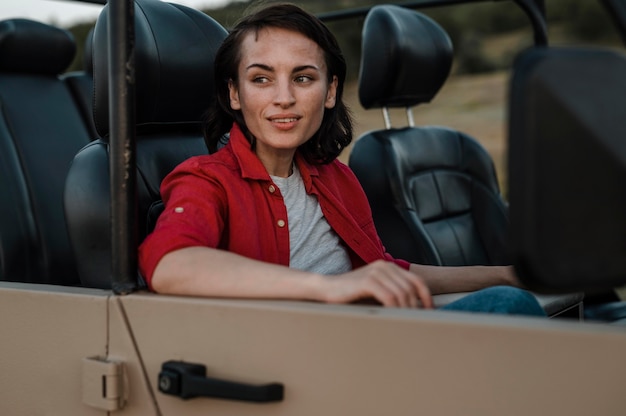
pixel 367 360
pixel 47 332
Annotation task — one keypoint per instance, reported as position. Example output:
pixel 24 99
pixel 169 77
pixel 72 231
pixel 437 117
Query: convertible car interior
pixel 433 190
pixel 83 151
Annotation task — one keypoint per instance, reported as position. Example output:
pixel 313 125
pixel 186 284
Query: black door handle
pixel 188 380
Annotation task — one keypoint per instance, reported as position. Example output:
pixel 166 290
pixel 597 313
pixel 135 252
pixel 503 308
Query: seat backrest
pixel 40 131
pixel 566 170
pixel 81 86
pixel 433 190
pixel 174 50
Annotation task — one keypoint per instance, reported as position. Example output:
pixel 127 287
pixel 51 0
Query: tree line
pixel 470 26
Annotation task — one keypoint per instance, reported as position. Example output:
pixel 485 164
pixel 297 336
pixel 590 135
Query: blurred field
pixel 474 104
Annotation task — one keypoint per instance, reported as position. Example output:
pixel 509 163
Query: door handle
pixel 188 380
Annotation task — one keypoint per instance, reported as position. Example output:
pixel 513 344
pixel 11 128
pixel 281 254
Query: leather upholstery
pixel 81 86
pixel 434 196
pixel 40 131
pixel 433 191
pixel 175 48
pixel 28 46
pixel 406 58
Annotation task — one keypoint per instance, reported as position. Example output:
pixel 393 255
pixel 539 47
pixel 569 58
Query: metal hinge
pixel 104 384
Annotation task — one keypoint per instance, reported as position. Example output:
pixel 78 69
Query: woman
pixel 273 214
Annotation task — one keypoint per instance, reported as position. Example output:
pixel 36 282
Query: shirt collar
pixel 251 166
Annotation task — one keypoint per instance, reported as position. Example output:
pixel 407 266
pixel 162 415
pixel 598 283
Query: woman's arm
pixel 203 271
pixel 442 279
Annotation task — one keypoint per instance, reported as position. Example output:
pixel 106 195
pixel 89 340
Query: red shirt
pixel 227 200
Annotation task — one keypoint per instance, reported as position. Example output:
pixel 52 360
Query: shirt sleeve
pixel 193 216
pixel 402 263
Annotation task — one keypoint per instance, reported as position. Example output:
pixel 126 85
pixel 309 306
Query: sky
pixel 65 13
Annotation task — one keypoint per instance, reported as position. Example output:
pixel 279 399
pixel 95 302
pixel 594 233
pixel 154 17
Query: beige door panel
pixel 349 360
pixel 123 348
pixel 46 332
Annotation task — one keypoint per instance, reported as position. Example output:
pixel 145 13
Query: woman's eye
pixel 260 80
pixel 303 78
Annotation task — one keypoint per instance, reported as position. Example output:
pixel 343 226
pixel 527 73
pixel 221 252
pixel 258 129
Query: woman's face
pixel 283 89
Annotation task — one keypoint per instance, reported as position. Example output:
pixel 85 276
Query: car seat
pixel 41 129
pixel 81 85
pixel 174 51
pixel 433 190
pixel 567 206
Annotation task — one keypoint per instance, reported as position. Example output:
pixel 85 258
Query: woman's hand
pixel 384 281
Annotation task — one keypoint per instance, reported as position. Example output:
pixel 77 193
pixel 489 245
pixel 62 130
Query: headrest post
pixel 409 116
pixel 386 118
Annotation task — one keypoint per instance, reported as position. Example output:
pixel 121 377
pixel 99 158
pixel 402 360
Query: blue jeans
pixel 505 300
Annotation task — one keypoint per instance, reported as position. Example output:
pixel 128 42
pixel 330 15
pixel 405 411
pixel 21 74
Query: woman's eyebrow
pixel 271 68
pixel 262 66
pixel 305 67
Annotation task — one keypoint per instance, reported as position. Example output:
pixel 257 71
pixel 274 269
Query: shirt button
pixel 280 223
pixel 272 189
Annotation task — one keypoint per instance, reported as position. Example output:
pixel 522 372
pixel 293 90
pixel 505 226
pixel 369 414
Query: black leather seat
pixel 174 52
pixel 41 130
pixel 81 86
pixel 433 190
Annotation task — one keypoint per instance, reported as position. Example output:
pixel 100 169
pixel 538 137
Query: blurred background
pixel 486 36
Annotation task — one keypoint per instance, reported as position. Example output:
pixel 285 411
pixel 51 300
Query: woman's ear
pixel 331 95
pixel 233 94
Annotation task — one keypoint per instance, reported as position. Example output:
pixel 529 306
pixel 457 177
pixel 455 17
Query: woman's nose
pixel 284 94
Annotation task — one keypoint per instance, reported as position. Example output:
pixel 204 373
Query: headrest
pixel 406 58
pixel 34 47
pixel 175 47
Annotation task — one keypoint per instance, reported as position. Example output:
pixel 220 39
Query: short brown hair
pixel 335 132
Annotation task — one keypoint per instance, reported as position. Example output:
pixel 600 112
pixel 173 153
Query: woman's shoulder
pixel 220 162
pixel 205 172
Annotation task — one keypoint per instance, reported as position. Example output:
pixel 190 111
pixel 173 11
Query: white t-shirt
pixel 314 246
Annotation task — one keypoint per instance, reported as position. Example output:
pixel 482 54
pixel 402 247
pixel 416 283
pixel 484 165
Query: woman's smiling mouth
pixel 284 122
